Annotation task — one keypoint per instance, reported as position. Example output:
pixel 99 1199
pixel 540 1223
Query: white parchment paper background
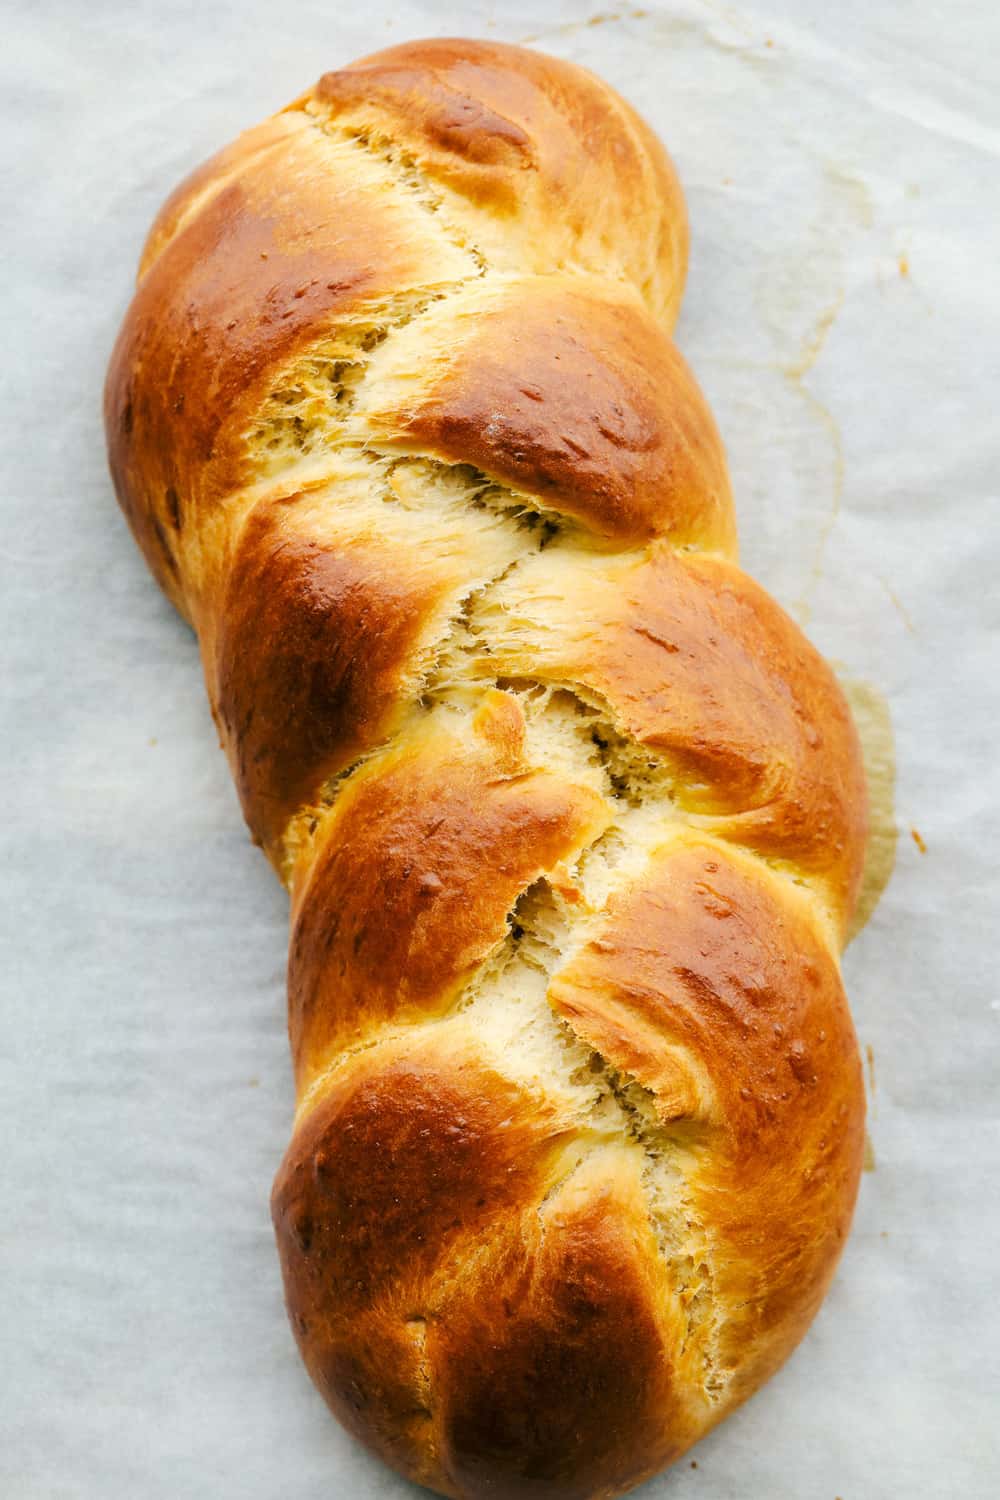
pixel 841 169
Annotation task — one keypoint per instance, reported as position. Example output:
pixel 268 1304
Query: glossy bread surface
pixel 571 814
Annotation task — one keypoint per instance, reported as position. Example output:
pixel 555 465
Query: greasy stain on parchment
pixel 871 715
pixel 869 1157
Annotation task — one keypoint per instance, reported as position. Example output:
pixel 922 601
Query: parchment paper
pixel 841 169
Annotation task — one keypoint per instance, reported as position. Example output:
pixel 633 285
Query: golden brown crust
pixel 272 262
pixel 553 1366
pixel 311 650
pixel 572 814
pixel 210 178
pixel 539 1365
pixel 569 395
pixel 699 664
pixel 411 1154
pixel 395 908
pixel 711 956
pixel 321 634
pixel 532 144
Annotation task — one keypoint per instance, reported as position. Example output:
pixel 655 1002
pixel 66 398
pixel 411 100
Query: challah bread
pixel 571 814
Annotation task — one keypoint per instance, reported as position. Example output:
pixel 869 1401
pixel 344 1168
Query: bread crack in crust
pixel 571 815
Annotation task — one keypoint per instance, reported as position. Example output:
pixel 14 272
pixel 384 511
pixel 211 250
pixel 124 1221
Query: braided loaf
pixel 571 814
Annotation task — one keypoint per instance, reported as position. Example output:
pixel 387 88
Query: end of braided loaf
pixel 571 814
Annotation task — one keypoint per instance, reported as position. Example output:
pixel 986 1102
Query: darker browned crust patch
pixel 400 1169
pixel 403 1154
pixel 312 647
pixel 549 1366
pixel 536 1369
pixel 396 913
pixel 581 401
